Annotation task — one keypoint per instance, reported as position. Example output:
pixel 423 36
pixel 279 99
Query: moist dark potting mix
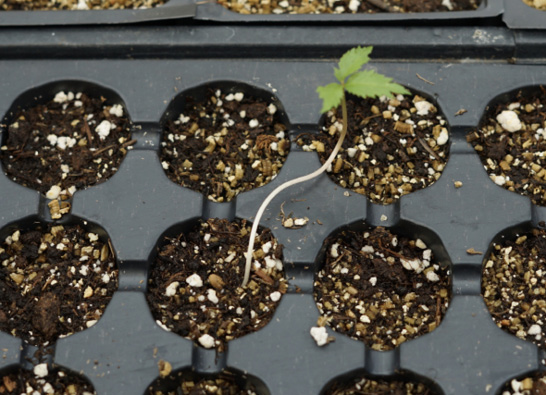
pixel 534 384
pixel 44 380
pixel 381 288
pixel 228 144
pixel 393 146
pixel 28 5
pixel 55 280
pixel 511 141
pixel 195 283
pixel 378 386
pixel 514 286
pixel 346 6
pixel 69 143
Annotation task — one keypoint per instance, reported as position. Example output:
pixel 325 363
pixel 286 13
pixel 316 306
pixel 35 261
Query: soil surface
pixel 514 286
pixel 380 288
pixel 228 144
pixel 346 6
pixel 225 383
pixel 195 283
pixel 538 4
pixel 28 5
pixel 378 386
pixel 44 380
pixel 69 143
pixel 511 140
pixel 54 282
pixel 534 384
pixel 393 146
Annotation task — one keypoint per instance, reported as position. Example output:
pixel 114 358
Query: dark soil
pixel 28 5
pixel 534 384
pixel 380 288
pixel 514 159
pixel 58 381
pixel 346 6
pixel 223 146
pixel 195 283
pixel 393 146
pixel 57 144
pixel 377 386
pixel 54 282
pixel 225 383
pixel 514 286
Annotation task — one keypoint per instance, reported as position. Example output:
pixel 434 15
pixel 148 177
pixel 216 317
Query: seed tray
pixel 518 15
pixel 466 354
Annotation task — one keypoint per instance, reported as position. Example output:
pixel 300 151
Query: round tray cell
pixel 55 279
pixel 43 379
pixel 347 6
pixel 511 139
pixel 224 138
pixel 64 136
pixel 528 384
pixel 359 382
pixel 538 4
pixel 382 286
pixel 393 146
pixel 229 381
pixel 514 283
pixel 195 282
pixel 31 5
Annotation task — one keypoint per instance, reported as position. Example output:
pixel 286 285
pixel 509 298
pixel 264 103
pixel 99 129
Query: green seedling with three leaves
pixel 361 83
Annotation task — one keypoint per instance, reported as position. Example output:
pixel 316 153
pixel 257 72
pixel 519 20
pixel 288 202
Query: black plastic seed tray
pixel 466 354
pixel 518 15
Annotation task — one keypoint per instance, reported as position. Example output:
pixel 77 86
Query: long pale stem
pixel 287 184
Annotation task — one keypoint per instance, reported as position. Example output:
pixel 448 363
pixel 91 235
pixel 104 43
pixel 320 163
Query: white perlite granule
pixel 103 130
pixel 320 335
pixel 40 370
pixel 509 121
pixel 206 341
pixel 194 281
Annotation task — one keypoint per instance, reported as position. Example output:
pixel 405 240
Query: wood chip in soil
pixel 381 288
pixel 379 386
pixel 511 140
pixel 44 380
pixel 69 143
pixel 347 6
pixel 514 286
pixel 393 146
pixel 225 383
pixel 29 5
pixel 228 144
pixel 534 384
pixel 195 283
pixel 54 282
pixel 538 4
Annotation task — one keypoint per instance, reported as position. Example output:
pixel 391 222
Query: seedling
pixel 361 83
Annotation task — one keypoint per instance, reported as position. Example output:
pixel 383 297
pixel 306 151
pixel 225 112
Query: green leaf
pixel 368 83
pixel 331 95
pixel 352 61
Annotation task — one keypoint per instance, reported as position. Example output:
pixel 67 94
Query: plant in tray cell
pixel 362 83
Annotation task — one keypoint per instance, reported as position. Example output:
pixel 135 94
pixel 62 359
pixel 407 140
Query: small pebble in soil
pixel 225 145
pixel 44 380
pixel 380 288
pixel 393 146
pixel 195 283
pixel 514 286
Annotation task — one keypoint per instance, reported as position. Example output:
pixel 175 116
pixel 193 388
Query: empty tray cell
pixel 195 282
pixel 57 279
pixel 359 382
pixel 538 4
pixel 393 146
pixel 43 379
pixel 382 287
pixel 529 384
pixel 514 283
pixel 224 138
pixel 347 6
pixel 229 381
pixel 29 5
pixel 511 140
pixel 64 136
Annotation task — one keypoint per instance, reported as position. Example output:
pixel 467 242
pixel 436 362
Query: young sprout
pixel 364 84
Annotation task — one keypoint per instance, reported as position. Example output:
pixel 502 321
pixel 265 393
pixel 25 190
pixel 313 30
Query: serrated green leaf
pixel 368 83
pixel 331 95
pixel 352 61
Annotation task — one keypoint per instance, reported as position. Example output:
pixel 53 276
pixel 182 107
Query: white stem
pixel 282 187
